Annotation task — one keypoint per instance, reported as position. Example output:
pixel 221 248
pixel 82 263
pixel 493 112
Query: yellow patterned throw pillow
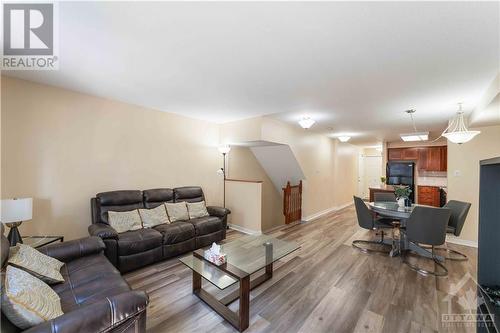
pixel 177 211
pixel 197 209
pixel 154 216
pixel 125 221
pixel 28 301
pixel 40 265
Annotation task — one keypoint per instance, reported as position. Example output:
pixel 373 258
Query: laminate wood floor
pixel 326 286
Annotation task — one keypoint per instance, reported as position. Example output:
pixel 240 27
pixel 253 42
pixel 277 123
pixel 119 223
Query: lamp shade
pixel 224 149
pixel 16 210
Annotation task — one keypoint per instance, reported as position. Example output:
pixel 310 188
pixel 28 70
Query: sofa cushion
pixel 27 300
pixel 125 221
pixel 206 225
pixel 177 211
pixel 176 232
pixel 196 209
pixel 156 197
pixel 36 263
pixel 154 216
pixel 118 201
pixel 89 279
pixel 188 194
pixel 137 241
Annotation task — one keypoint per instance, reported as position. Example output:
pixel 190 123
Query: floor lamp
pixel 224 149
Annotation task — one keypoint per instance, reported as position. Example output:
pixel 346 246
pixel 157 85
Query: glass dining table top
pixel 391 206
pixel 247 254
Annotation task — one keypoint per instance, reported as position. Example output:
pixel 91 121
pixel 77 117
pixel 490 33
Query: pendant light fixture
pixel 415 136
pixel 457 131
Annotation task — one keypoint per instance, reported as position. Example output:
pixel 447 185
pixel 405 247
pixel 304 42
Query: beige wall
pixel 244 199
pixel 330 167
pixel 62 147
pixel 242 164
pixel 465 159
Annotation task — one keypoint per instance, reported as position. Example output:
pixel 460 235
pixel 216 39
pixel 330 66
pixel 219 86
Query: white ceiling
pixel 354 67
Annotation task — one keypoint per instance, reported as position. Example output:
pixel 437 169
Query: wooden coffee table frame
pixel 240 320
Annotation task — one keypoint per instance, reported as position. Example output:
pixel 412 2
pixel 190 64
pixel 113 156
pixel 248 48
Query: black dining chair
pixel 427 225
pixel 367 220
pixel 459 211
pixel 384 197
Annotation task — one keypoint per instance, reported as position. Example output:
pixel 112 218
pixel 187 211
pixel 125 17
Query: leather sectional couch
pixel 94 296
pixel 133 249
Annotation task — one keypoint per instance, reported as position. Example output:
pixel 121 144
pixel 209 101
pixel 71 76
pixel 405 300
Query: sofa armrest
pixel 105 231
pixel 101 316
pixel 70 250
pixel 218 211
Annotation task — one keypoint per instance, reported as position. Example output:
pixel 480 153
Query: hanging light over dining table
pixel 457 131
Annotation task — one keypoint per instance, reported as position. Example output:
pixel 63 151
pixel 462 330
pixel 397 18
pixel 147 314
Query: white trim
pixel 244 230
pixel 325 212
pixel 459 241
pixel 281 226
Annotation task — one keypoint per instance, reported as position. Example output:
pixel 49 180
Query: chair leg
pixel 442 273
pixel 460 255
pixel 358 242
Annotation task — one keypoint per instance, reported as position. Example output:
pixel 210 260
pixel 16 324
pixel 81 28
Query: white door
pixel 370 173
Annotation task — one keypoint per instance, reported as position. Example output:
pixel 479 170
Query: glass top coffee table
pixel 245 256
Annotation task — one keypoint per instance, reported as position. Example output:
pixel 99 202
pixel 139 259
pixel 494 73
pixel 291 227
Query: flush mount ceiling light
pixel 344 138
pixel 456 131
pixel 415 136
pixel 306 122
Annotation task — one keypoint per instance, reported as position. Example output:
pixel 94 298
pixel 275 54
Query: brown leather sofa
pixel 94 296
pixel 133 249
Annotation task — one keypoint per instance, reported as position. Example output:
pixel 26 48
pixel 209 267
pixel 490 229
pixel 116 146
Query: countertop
pixel 382 187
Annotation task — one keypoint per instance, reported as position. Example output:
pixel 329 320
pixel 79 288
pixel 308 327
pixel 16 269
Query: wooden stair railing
pixel 292 202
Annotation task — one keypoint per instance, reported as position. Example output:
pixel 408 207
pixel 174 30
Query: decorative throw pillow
pixel 177 211
pixel 28 301
pixel 196 209
pixel 154 216
pixel 33 261
pixel 125 221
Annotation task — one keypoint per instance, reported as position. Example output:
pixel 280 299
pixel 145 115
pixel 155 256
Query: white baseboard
pixel 244 230
pixel 325 212
pixel 281 226
pixel 459 241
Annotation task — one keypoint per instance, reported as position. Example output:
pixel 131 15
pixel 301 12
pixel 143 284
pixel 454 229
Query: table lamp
pixel 13 213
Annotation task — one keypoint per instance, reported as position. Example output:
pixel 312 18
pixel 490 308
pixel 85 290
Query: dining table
pixel 389 209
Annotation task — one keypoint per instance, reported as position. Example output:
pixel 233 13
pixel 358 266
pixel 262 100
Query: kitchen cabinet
pixel 403 154
pixel 428 158
pixel 433 159
pixel 429 195
pixel 395 154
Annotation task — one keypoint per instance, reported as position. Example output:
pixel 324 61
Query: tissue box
pixel 217 259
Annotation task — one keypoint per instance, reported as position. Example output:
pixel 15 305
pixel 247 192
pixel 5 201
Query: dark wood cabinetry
pixel 427 158
pixel 429 195
pixel 436 159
